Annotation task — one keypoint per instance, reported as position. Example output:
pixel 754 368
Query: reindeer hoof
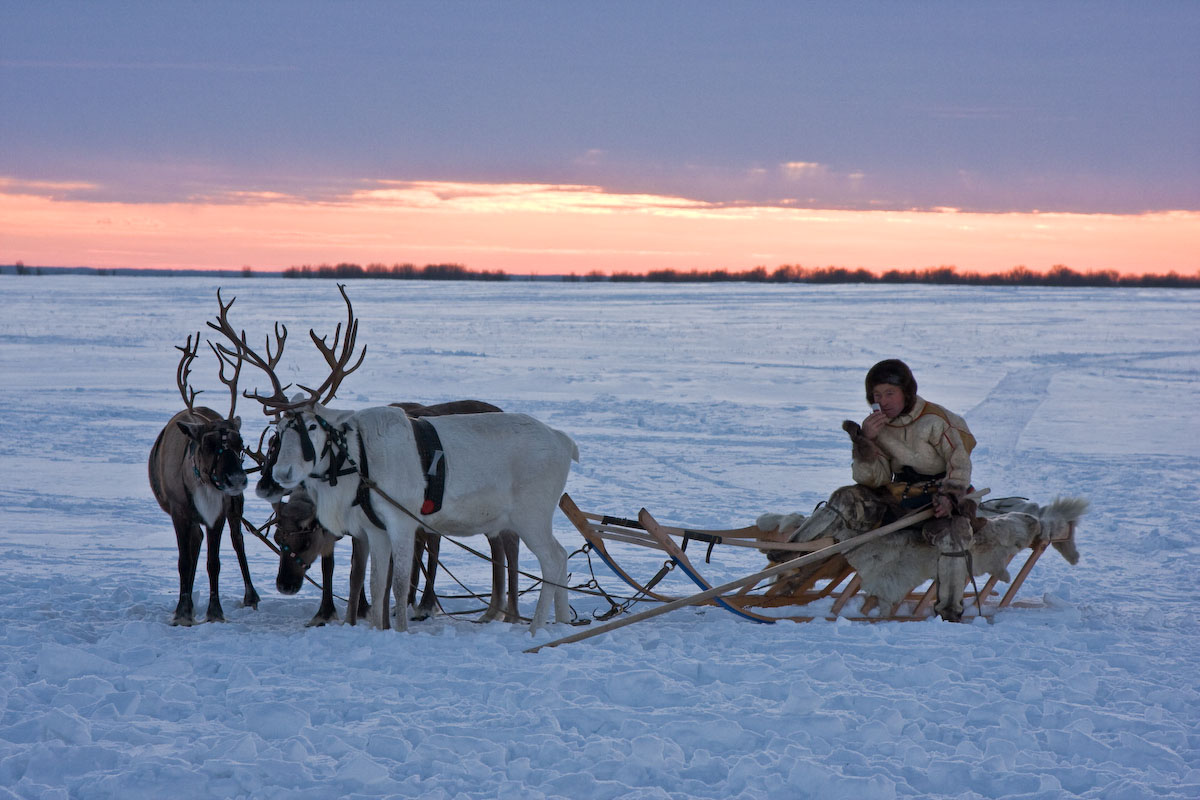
pixel 250 600
pixel 185 622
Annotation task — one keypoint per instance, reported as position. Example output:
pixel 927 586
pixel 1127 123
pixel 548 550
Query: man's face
pixel 890 399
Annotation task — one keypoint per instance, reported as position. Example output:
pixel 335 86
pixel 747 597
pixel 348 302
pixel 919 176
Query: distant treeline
pixel 429 272
pixel 1018 276
pixel 1058 275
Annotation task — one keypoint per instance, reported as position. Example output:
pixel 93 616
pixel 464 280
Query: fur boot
pixel 850 510
pixel 952 536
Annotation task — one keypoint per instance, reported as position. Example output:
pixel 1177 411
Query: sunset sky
pixel 612 136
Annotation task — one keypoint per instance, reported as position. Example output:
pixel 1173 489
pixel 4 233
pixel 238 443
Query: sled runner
pixel 830 587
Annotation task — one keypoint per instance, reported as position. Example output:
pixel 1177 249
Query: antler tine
pixel 184 370
pixel 275 402
pixel 337 364
pixel 280 340
pixel 259 455
pixel 234 360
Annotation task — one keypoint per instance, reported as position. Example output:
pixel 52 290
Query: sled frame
pixel 832 577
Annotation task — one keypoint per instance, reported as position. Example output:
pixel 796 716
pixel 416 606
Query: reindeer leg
pixel 495 604
pixel 392 586
pixel 433 547
pixel 381 578
pixel 215 613
pixel 327 612
pixel 357 605
pixel 401 536
pixel 187 538
pixel 512 548
pixel 418 549
pixel 236 504
pixel 538 534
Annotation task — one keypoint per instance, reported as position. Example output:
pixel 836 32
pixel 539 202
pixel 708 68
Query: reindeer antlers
pixel 184 370
pixel 231 382
pixel 337 364
pixel 242 351
pixel 277 402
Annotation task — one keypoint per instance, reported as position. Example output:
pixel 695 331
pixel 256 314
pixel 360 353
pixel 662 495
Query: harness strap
pixel 433 463
pixel 285 550
pixel 369 485
pixel 970 571
pixel 363 496
pixel 712 540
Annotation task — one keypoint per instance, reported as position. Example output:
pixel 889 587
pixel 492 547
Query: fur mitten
pixel 864 448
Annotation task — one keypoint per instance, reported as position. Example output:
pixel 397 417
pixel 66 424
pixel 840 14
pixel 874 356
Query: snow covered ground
pixel 706 404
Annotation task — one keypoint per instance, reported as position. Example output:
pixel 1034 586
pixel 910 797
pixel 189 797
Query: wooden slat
pixel 582 522
pixel 732 586
pixel 847 593
pixel 690 570
pixel 1038 549
pixel 925 603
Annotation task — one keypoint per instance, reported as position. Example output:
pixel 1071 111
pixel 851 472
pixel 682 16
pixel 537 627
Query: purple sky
pixel 1073 106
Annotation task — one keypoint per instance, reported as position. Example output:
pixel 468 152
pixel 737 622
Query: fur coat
pixel 927 438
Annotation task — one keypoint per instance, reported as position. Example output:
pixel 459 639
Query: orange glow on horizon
pixel 550 229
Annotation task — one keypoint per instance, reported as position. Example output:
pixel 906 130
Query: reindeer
pixel 302 539
pixel 505 473
pixel 196 474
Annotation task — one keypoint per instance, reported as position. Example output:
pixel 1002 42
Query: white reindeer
pixel 504 473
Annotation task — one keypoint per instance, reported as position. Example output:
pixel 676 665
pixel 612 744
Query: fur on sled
pixel 892 567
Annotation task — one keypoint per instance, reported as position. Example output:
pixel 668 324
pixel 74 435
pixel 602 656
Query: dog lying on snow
pixel 892 567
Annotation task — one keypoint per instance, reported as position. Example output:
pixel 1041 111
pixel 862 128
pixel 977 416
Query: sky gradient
pixel 617 136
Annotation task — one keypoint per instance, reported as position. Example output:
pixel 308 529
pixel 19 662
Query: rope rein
pixel 336 447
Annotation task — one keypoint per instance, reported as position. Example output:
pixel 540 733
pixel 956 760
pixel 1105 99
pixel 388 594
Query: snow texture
pixel 708 405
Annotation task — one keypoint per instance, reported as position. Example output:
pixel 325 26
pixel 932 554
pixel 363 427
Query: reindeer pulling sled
pixel 321 457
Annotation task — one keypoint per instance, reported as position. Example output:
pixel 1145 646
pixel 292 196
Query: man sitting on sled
pixel 907 453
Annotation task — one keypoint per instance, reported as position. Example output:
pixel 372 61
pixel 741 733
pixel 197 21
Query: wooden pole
pixel 696 599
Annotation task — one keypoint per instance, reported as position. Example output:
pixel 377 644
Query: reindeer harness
pixel 222 446
pixel 429 447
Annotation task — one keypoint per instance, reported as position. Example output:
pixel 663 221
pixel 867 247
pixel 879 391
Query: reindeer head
pixel 311 444
pixel 215 447
pixel 301 541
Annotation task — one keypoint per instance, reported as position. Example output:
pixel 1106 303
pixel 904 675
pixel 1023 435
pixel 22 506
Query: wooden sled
pixel 832 579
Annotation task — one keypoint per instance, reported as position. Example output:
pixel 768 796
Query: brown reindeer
pixel 301 539
pixel 196 474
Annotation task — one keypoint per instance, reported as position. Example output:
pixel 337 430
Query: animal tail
pixel 567 440
pixel 1063 511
